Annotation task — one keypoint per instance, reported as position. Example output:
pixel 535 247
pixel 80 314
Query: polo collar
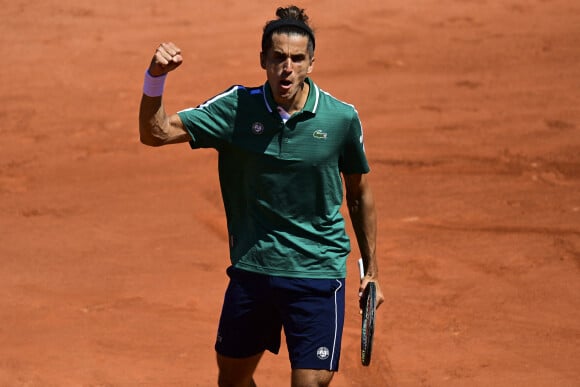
pixel 311 104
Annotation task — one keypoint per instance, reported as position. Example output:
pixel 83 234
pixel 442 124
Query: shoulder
pixel 239 93
pixel 230 94
pixel 329 102
pixel 229 98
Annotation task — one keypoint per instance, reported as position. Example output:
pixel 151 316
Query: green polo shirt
pixel 281 182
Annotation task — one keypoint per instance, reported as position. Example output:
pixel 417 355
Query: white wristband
pixel 153 86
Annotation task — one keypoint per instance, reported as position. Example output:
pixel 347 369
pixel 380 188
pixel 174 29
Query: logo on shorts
pixel 257 128
pixel 322 353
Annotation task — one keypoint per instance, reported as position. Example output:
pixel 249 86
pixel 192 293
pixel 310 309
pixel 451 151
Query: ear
pixel 311 66
pixel 263 60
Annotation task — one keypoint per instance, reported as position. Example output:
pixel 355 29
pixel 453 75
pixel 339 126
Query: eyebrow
pixel 284 54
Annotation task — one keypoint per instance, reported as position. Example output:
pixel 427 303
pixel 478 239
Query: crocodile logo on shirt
pixel 320 134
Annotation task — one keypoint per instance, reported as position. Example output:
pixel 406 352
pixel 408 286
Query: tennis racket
pixel 368 305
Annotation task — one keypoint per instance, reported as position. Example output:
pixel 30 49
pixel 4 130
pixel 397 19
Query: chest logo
pixel 320 134
pixel 257 128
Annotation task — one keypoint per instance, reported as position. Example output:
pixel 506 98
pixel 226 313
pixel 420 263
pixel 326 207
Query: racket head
pixel 369 298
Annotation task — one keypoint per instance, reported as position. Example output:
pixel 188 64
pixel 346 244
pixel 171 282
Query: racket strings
pixel 368 322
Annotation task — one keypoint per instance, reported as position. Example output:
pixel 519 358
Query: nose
pixel 287 65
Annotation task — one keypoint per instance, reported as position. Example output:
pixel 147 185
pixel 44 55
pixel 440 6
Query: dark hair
pixel 290 20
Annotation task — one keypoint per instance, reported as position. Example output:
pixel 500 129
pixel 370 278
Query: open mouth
pixel 285 83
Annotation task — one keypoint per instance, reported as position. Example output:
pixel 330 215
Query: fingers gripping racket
pixel 368 305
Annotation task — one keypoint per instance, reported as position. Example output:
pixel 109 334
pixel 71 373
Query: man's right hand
pixel 167 58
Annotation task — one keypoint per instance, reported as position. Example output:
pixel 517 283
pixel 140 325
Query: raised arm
pixel 156 128
pixel 361 207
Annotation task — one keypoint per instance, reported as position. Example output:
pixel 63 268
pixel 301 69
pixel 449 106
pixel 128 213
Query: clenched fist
pixel 167 58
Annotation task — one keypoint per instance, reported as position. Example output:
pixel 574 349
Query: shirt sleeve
pixel 353 158
pixel 211 124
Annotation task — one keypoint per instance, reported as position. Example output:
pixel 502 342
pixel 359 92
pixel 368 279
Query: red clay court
pixel 113 254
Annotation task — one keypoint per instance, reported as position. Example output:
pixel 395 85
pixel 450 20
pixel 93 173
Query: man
pixel 282 149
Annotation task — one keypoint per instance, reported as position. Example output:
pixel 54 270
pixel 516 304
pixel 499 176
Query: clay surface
pixel 113 254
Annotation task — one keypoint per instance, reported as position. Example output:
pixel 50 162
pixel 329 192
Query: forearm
pixel 156 128
pixel 364 221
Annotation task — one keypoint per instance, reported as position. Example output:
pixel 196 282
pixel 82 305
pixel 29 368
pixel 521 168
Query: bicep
pixel 359 196
pixel 156 127
pixel 175 130
pixel 355 185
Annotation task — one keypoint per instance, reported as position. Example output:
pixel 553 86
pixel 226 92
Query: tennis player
pixel 285 150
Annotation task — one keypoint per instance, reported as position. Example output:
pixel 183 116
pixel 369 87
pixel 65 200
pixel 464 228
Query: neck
pixel 297 103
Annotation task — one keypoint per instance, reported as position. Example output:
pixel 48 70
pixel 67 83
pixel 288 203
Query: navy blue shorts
pixel 257 306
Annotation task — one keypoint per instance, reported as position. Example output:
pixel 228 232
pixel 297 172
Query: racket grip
pixel 361 268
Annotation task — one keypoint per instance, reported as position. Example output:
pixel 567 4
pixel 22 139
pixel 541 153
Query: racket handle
pixel 361 268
